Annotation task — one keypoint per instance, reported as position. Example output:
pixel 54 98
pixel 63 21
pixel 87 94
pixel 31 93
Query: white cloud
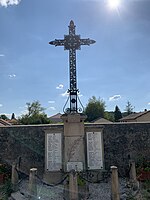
pixel 1 105
pixel 2 55
pixel 52 108
pixel 149 103
pixel 12 75
pixel 51 101
pixel 115 97
pixel 65 94
pixel 60 87
pixel 6 3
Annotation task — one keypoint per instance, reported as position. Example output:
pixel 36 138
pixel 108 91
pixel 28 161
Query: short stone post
pixel 14 177
pixel 18 163
pixel 132 173
pixel 73 186
pixel 114 184
pixel 33 184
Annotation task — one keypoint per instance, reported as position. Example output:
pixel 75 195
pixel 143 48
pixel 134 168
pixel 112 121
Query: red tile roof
pixel 4 123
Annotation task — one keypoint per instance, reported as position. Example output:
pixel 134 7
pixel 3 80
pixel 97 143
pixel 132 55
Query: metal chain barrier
pixel 44 183
pixel 23 177
pixel 52 185
pixel 80 174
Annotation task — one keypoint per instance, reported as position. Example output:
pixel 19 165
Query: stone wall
pixel 27 142
pixel 121 142
pixel 124 141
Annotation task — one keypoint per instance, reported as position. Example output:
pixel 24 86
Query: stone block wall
pixel 124 141
pixel 121 142
pixel 27 142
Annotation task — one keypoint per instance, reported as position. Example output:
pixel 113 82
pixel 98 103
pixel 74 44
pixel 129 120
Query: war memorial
pixel 74 132
pixel 82 152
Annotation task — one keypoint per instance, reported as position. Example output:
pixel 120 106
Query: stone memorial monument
pixel 66 146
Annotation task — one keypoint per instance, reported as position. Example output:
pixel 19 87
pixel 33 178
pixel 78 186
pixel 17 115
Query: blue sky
pixel 116 68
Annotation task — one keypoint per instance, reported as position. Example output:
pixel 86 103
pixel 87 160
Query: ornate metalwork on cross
pixel 72 42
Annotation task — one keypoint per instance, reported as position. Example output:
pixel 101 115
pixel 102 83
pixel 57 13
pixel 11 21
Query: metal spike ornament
pixel 72 42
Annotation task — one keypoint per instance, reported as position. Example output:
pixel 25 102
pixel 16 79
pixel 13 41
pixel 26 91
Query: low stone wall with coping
pixel 122 141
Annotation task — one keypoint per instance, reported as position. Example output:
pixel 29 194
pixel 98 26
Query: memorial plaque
pixel 94 150
pixel 77 166
pixel 54 152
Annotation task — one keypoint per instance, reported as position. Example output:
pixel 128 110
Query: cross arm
pixel 57 42
pixel 87 41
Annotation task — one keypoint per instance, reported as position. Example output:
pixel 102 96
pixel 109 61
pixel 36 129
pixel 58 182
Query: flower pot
pixel 144 175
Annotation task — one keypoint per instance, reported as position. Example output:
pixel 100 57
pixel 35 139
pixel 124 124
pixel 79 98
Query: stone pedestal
pixel 74 139
pixel 133 179
pixel 73 186
pixel 14 178
pixel 114 184
pixel 33 184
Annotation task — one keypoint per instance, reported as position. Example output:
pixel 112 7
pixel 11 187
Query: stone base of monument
pixel 52 177
pixel 74 140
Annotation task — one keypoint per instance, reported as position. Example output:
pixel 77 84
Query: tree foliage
pixel 129 108
pixel 95 108
pixel 117 114
pixel 109 116
pixel 13 116
pixel 34 108
pixel 4 117
pixel 35 114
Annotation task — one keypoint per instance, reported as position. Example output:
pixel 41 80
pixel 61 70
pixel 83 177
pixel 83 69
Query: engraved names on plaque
pixel 54 152
pixel 94 150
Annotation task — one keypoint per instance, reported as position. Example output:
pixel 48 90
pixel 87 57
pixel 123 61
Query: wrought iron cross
pixel 72 42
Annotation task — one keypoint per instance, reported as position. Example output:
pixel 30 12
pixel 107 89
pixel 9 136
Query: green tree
pixel 109 116
pixel 117 114
pixel 34 108
pixel 3 117
pixel 13 116
pixel 129 108
pixel 95 108
pixel 35 114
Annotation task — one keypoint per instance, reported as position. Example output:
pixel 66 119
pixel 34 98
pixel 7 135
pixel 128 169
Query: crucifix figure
pixel 72 42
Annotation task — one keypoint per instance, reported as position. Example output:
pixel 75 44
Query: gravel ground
pixel 44 192
pixel 101 191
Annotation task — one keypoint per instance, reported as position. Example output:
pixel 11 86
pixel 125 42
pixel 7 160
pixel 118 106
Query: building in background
pixel 137 117
pixel 56 118
pixel 101 120
pixel 4 123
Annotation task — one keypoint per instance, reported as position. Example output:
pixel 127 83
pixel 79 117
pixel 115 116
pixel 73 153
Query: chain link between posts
pixel 44 183
pixel 105 175
pixel 52 185
pixel 82 175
